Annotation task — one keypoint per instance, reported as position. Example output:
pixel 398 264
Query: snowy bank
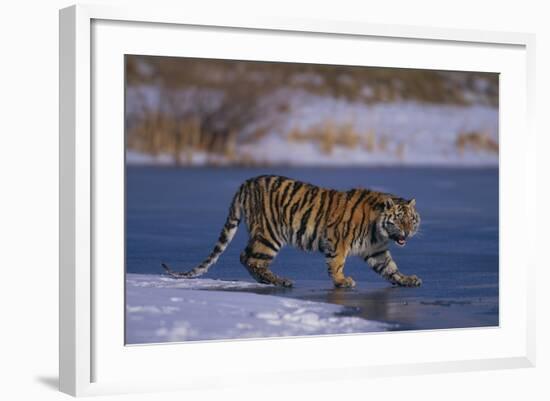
pixel 323 130
pixel 161 309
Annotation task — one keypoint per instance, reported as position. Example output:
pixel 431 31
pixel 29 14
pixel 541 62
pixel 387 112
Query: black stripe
pixel 293 210
pixel 373 237
pixel 285 192
pixel 260 256
pixel 267 184
pixel 248 205
pixel 235 206
pixel 230 226
pixel 273 194
pixel 273 236
pixel 330 199
pixel 257 204
pixel 350 194
pixel 378 268
pixel 313 193
pixel 295 188
pixel 246 199
pixel 379 206
pixel 318 218
pixel 336 222
pixel 354 207
pixel 280 201
pixel 268 244
pixel 303 225
pixel 361 197
pixel 376 254
pixel 306 198
pixel 359 228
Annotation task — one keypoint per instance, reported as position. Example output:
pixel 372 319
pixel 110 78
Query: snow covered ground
pixel 161 309
pixel 389 133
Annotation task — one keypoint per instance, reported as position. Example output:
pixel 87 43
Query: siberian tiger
pixel 281 211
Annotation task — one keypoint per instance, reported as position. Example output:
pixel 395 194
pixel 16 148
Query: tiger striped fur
pixel 281 211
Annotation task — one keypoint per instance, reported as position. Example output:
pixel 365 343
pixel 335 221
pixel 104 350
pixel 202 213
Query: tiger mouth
pixel 399 240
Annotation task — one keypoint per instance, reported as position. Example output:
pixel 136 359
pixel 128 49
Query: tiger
pixel 281 211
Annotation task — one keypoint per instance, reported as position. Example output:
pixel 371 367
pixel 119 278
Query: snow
pixel 137 158
pixel 199 158
pixel 160 309
pixel 414 133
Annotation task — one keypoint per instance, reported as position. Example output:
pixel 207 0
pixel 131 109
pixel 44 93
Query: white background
pixel 28 220
pixel 112 361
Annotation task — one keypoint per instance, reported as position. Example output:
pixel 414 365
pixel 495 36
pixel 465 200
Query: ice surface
pixel 158 281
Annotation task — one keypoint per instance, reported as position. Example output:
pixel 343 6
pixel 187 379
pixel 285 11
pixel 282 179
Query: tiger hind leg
pixel 257 258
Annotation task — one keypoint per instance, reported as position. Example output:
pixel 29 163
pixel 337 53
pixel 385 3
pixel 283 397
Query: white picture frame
pixel 90 364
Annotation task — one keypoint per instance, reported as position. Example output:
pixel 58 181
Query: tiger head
pixel 399 220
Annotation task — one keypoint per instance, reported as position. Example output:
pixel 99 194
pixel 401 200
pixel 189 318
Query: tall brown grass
pixel 475 140
pixel 328 135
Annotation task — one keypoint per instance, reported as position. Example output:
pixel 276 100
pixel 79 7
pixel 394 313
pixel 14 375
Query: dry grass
pixel 477 141
pixel 180 125
pixel 328 135
pixel 159 134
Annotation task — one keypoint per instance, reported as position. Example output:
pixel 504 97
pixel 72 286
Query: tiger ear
pixel 388 203
pixel 412 202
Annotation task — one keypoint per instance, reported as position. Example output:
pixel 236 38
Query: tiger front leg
pixel 335 265
pixel 383 264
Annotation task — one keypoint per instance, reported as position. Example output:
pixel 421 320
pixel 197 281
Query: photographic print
pixel 271 199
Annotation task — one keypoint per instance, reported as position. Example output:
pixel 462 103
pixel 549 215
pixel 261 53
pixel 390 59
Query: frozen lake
pixel 175 216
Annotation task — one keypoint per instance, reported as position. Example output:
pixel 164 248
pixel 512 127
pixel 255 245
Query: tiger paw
pixel 347 282
pixel 411 281
pixel 284 282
